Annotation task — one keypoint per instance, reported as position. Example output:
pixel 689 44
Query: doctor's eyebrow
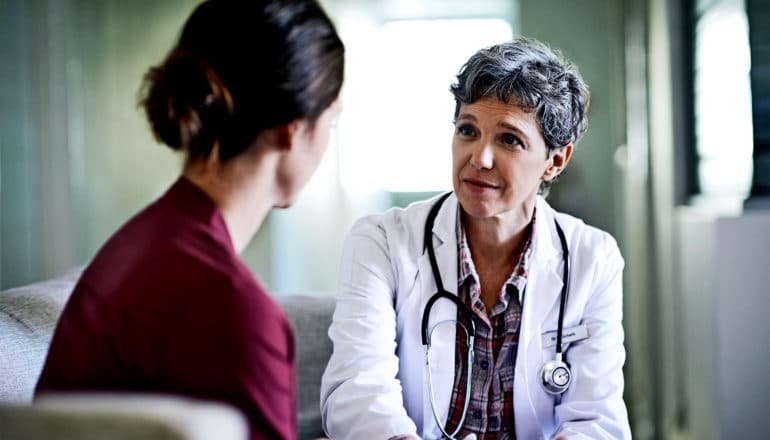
pixel 515 129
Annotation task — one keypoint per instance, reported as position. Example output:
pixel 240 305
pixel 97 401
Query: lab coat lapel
pixel 542 292
pixel 545 281
pixel 443 342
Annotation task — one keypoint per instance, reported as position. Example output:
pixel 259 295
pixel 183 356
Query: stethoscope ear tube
pixel 556 375
pixel 564 288
pixel 460 306
pixel 428 245
pixel 428 240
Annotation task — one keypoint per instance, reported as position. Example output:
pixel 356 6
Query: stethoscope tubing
pixel 442 293
pixel 468 315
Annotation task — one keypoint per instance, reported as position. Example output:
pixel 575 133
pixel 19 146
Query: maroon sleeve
pixel 268 377
pixel 261 372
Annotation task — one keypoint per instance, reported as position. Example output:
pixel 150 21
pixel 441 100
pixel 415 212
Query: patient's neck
pixel 242 188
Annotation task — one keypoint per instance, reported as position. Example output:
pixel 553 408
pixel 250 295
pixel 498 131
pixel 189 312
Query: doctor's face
pixel 499 158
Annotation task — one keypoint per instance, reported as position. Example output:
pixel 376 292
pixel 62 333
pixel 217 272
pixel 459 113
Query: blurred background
pixel 675 163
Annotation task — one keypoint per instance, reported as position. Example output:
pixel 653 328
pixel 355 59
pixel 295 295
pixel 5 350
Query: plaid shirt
pixel 490 411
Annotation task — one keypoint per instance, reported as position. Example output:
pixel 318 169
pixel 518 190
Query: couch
pixel 28 316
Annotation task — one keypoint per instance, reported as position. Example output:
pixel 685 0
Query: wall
pixel 724 281
pixel 606 182
pixel 591 34
pixel 704 266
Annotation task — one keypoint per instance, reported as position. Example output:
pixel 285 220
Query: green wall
pixel 590 33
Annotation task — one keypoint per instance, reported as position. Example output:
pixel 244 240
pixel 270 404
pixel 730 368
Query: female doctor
pixel 485 313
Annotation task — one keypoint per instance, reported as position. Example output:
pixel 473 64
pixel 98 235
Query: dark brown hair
pixel 239 68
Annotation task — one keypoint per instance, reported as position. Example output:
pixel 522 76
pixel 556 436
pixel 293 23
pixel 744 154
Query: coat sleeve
pixel 361 396
pixel 593 407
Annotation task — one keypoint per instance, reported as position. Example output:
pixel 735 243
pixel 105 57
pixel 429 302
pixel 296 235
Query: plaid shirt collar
pixel 467 269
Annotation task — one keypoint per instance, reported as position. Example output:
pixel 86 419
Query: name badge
pixel 568 335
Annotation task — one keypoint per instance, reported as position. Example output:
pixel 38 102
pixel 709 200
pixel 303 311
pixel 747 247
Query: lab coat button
pixel 484 364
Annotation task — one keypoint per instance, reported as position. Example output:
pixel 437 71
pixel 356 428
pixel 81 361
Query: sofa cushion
pixel 85 416
pixel 28 315
pixel 310 316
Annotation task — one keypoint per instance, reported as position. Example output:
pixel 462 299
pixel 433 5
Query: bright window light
pixel 396 129
pixel 723 101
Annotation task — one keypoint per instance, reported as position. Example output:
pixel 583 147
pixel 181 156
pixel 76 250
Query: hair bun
pixel 186 103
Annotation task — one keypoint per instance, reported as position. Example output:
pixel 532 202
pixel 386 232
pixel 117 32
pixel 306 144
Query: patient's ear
pixel 558 158
pixel 281 137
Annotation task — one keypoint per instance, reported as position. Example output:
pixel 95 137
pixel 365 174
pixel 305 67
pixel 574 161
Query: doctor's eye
pixel 510 140
pixel 465 130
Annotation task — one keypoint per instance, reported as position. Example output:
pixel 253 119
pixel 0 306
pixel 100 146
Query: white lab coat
pixel 375 385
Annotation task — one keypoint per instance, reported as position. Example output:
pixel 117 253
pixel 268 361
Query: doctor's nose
pixel 482 156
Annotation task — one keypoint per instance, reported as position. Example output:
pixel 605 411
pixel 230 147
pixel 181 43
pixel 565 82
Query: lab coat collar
pixel 547 250
pixel 546 258
pixel 547 244
pixel 445 229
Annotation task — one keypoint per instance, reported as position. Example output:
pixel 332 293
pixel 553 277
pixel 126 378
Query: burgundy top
pixel 168 306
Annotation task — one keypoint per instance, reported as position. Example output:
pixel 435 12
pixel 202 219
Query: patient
pixel 248 94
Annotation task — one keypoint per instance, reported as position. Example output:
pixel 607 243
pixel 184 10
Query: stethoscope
pixel 555 375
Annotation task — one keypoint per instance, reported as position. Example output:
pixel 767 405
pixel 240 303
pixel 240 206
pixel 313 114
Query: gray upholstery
pixel 28 316
pixel 310 316
pixel 121 417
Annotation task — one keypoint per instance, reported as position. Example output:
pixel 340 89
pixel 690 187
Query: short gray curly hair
pixel 527 73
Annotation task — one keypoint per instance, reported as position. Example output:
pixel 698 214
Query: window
pixel 396 128
pixel 723 126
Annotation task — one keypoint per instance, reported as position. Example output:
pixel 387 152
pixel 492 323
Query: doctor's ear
pixel 558 158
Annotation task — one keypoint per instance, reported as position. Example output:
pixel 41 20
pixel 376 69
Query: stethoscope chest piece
pixel 556 376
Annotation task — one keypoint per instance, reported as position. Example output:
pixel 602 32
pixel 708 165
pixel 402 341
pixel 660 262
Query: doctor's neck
pixel 499 238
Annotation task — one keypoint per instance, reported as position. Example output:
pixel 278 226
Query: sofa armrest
pixel 28 316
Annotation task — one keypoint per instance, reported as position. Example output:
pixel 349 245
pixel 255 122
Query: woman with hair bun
pixel 248 94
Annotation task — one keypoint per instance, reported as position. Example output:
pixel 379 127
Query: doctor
pixel 485 313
